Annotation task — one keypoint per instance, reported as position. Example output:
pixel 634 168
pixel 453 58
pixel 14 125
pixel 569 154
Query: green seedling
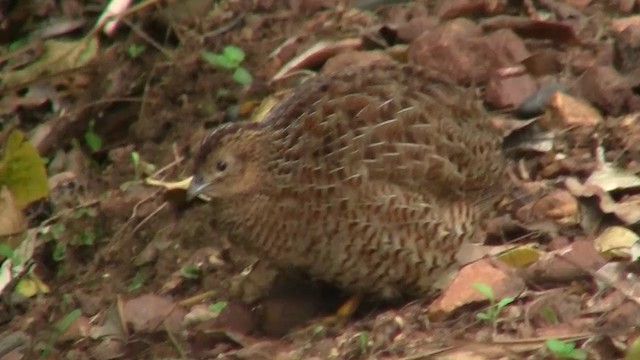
pixel 85 212
pixel 549 315
pixel 135 159
pixel 135 50
pixel 230 59
pixel 92 139
pixel 86 238
pixel 9 253
pixel 59 329
pixel 6 251
pixel 54 233
pixel 59 252
pixel 318 331
pixel 363 342
pixel 492 313
pixel 565 350
pixel 218 307
pixel 136 283
pixel 140 166
pixel 190 272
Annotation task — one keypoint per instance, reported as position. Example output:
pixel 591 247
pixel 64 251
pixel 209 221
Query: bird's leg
pixel 347 309
pixel 333 321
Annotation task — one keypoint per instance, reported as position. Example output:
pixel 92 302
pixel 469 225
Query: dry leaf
pixel 12 220
pixel 616 241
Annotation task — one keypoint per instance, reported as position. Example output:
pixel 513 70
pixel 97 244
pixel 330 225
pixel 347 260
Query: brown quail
pixel 370 178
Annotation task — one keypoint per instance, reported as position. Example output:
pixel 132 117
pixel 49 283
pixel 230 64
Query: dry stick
pixel 197 298
pixel 174 341
pixel 177 160
pixel 505 343
pixel 146 219
pixel 148 39
pixel 133 214
pixel 225 27
pixel 66 211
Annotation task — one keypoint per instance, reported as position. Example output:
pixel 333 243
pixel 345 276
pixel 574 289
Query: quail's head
pixel 230 162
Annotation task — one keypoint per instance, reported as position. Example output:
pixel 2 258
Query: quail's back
pixel 370 178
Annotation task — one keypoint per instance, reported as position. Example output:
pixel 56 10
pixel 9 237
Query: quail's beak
pixel 196 187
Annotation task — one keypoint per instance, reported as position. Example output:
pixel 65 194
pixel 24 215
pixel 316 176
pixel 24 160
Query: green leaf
pixel 218 60
pixel 485 290
pixel 93 140
pixel 85 238
pixel 233 53
pixel 134 50
pixel 242 76
pixel 59 252
pixel 190 272
pixel 483 316
pixel 579 354
pixel 136 282
pixel 560 347
pixel 56 230
pixel 135 158
pixel 504 302
pixel 22 170
pixel 363 341
pixel 64 324
pixel 218 307
pixel 6 251
pixel 549 315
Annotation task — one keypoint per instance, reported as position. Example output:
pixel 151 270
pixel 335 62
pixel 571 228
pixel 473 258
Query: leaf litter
pixel 566 250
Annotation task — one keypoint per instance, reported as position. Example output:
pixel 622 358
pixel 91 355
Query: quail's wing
pixel 386 124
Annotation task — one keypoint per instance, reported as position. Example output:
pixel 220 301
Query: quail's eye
pixel 221 165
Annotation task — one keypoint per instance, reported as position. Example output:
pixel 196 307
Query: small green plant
pixel 565 350
pixel 86 238
pixel 190 272
pixel 218 307
pixel 59 252
pixel 549 315
pixel 318 331
pixel 92 139
pixel 54 233
pixel 135 159
pixel 9 253
pixel 363 342
pixel 84 212
pixel 135 50
pixel 59 329
pixel 495 308
pixel 136 283
pixel 231 59
pixel 140 166
pixel 6 251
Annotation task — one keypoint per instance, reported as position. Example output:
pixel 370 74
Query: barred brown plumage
pixel 370 178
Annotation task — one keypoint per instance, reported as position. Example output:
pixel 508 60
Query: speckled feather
pixel 370 178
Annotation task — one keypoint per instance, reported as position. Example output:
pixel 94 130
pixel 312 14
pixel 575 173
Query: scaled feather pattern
pixel 370 178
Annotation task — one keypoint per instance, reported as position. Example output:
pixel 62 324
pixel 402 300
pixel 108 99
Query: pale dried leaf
pixel 12 220
pixel 616 241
